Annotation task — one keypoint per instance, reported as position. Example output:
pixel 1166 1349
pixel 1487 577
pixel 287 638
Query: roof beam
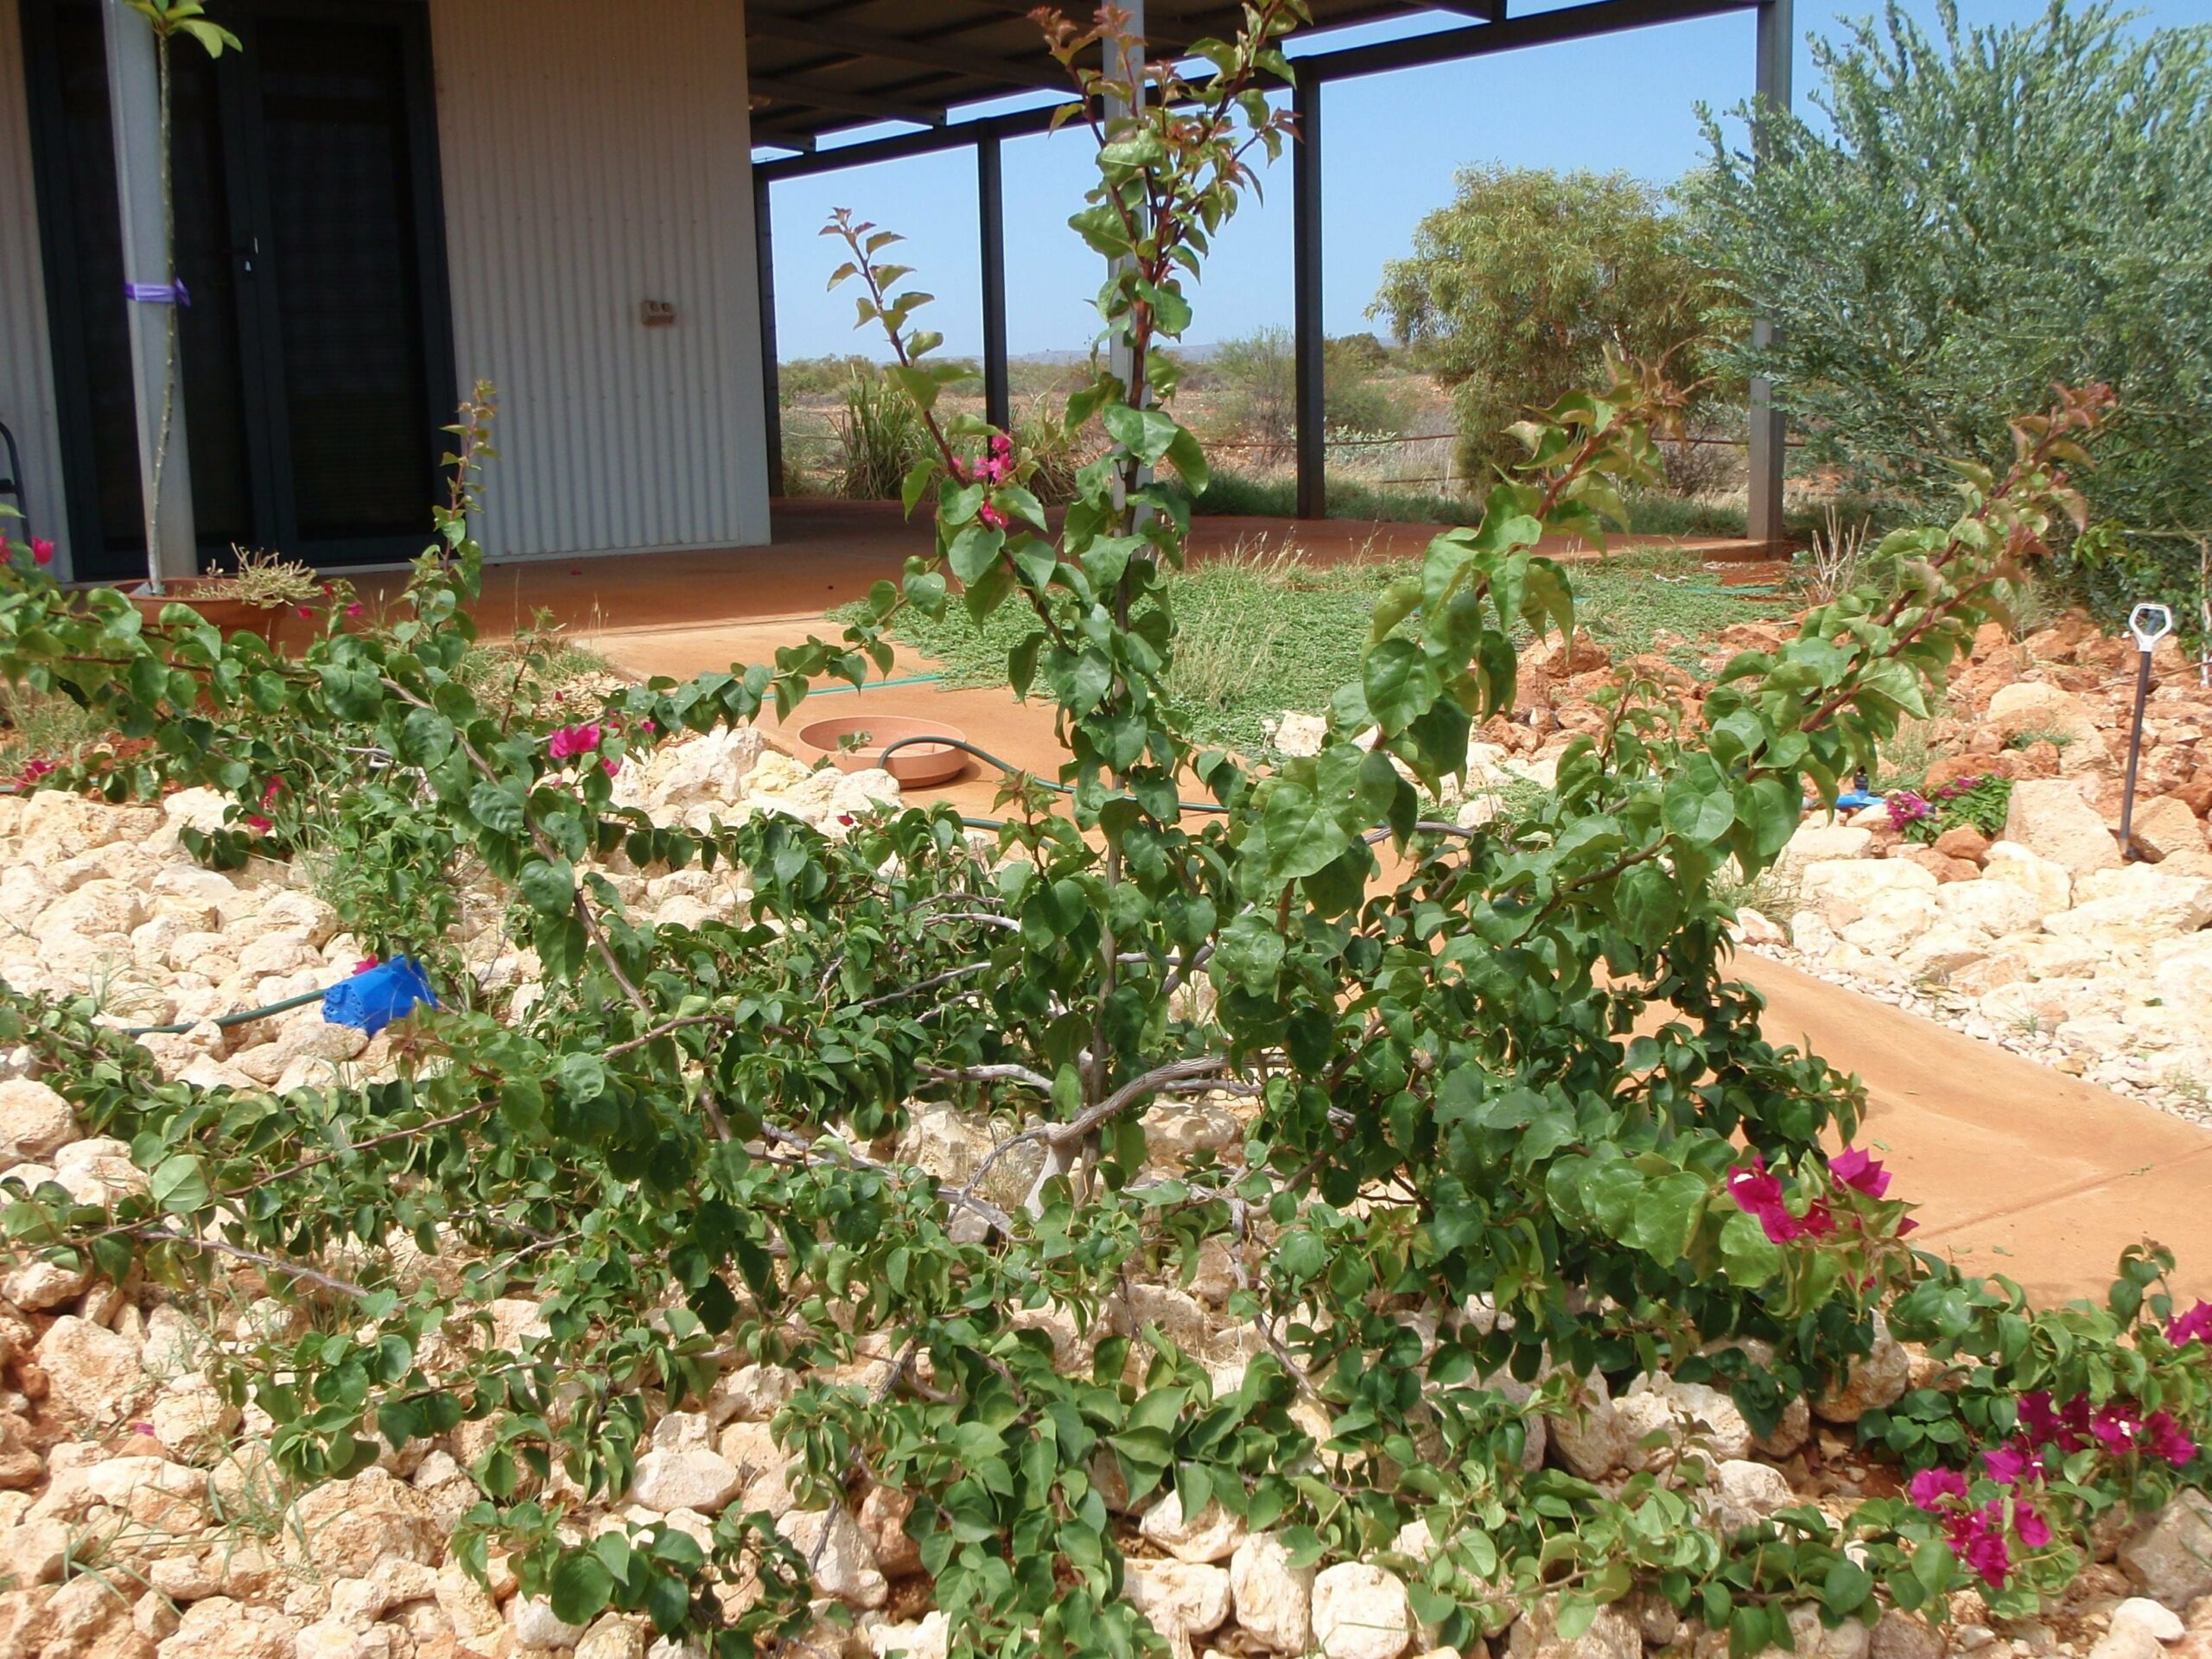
pixel 928 54
pixel 813 96
pixel 1485 11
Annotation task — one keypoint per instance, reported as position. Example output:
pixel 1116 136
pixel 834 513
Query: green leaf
pixel 179 1185
pixel 548 888
pixel 581 1589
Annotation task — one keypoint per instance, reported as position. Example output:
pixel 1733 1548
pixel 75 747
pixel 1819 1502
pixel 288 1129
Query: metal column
pixel 156 365
pixel 1306 331
pixel 771 412
pixel 1771 88
pixel 990 216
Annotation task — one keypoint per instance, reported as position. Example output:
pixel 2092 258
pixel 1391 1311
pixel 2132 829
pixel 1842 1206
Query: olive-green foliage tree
pixel 1981 212
pixel 1516 290
pixel 1260 370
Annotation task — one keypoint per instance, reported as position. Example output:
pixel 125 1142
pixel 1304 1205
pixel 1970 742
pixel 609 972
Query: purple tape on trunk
pixel 157 292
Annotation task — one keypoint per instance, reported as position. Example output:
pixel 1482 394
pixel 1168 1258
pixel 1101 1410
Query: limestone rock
pixel 344 1527
pixel 2165 826
pixel 37 1284
pixel 1904 1636
pixel 1705 1416
pixel 1592 1443
pixel 752 1393
pixel 93 1373
pixel 1181 1599
pixel 1360 1611
pixel 2168 1558
pixel 2039 708
pixel 883 1517
pixel 34 1122
pixel 1274 1600
pixel 219 1628
pixel 1995 908
pixel 2136 896
pixel 928 1638
pixel 2163 1623
pixel 689 1477
pixel 1613 1635
pixel 1876 1380
pixel 2050 816
pixel 2050 885
pixel 536 1626
pixel 844 1567
pixel 615 1636
pixel 2128 1639
pixel 1213 1535
pixel 1745 1493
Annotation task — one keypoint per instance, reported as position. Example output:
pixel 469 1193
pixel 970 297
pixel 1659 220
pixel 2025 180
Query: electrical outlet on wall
pixel 656 314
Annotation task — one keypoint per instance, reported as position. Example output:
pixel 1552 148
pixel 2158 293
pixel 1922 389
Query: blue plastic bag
pixel 375 997
pixel 1852 800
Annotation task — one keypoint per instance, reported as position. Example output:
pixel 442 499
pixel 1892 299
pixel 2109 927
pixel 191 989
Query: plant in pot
pixel 256 594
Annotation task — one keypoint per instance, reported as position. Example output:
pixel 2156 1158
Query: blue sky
pixel 1393 142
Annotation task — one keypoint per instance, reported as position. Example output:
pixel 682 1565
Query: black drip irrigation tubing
pixel 226 1020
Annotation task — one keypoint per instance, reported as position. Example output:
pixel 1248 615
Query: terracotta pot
pixel 230 614
pixel 918 764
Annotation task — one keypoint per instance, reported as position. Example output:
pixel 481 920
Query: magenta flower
pixel 2117 1425
pixel 1759 1192
pixel 1906 808
pixel 610 766
pixel 1979 1543
pixel 2034 1530
pixel 41 550
pixel 2166 1440
pixel 2196 1326
pixel 364 964
pixel 1931 1487
pixel 1860 1172
pixel 2007 1465
pixel 354 609
pixel 255 822
pixel 991 516
pixel 567 742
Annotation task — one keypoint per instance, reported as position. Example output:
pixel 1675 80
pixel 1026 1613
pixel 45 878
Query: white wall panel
pixel 592 160
pixel 26 348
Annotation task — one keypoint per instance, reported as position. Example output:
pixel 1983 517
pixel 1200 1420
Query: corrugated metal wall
pixel 26 348
pixel 592 163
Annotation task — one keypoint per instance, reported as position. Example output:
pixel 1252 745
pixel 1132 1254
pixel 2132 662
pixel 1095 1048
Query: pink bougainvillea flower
pixel 610 766
pixel 1931 1487
pixel 648 727
pixel 255 822
pixel 1818 1222
pixel 269 794
pixel 2007 1465
pixel 41 550
pixel 2166 1440
pixel 566 741
pixel 2067 1428
pixel 305 610
pixel 355 608
pixel 2117 1425
pixel 992 516
pixel 365 963
pixel 1752 1187
pixel 2034 1530
pixel 1981 1544
pixel 2194 1325
pixel 1860 1172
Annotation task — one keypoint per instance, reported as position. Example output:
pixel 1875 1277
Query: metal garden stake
pixel 2149 624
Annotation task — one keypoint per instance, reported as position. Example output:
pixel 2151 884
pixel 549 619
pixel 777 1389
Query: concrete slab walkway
pixel 2017 1169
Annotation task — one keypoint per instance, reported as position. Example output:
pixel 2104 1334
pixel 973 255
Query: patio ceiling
pixel 818 67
